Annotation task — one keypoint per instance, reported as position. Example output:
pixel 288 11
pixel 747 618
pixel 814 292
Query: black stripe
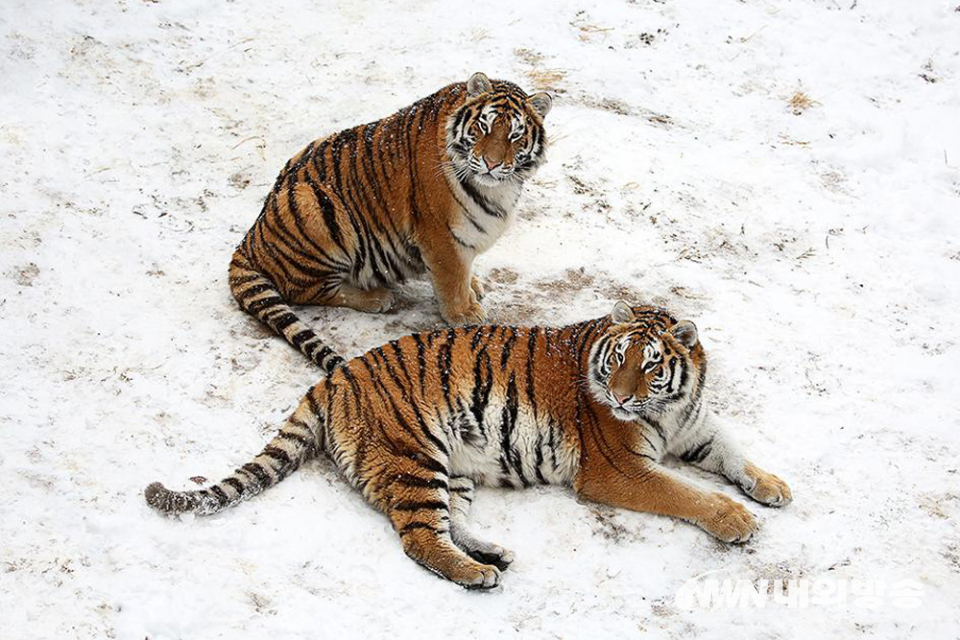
pixel 296 437
pixel 480 332
pixel 531 353
pixel 642 454
pixel 283 321
pixel 698 453
pixel 415 525
pixel 220 495
pixel 302 336
pixel 277 454
pixel 384 394
pixel 656 425
pixel 433 505
pixel 508 423
pixel 421 360
pixel 259 473
pixel 416 481
pixel 327 210
pixel 507 347
pixel 488 207
pixel 236 484
pixel 398 354
pixel 649 441
pixel 254 290
pixel 380 355
pixel 427 462
pixel 482 384
pixel 264 303
pixel 459 241
pixel 242 280
pixel 444 365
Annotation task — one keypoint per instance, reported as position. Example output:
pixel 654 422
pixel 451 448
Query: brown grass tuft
pixel 800 102
pixel 542 79
pixel 546 79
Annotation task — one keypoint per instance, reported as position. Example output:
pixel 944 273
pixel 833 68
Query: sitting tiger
pixel 419 422
pixel 426 189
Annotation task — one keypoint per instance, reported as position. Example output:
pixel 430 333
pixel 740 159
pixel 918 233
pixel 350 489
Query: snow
pixel 818 252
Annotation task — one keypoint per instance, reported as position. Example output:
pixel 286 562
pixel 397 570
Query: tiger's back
pixel 489 402
pixel 348 202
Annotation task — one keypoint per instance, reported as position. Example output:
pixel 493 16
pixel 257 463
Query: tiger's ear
pixel 622 313
pixel 478 83
pixel 686 332
pixel 541 103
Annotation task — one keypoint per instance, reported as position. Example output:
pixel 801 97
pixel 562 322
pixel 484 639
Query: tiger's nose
pixel 491 165
pixel 620 398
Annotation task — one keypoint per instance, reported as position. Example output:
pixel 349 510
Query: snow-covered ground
pixel 816 245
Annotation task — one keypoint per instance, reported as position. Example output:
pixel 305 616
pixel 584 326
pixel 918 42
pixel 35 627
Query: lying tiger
pixel 424 190
pixel 416 424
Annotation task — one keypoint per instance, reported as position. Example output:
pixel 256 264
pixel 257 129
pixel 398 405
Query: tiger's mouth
pixel 489 179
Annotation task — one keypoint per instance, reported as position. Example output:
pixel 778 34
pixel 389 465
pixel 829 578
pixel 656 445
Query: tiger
pixel 418 423
pixel 425 190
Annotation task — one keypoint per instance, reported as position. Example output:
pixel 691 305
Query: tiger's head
pixel 646 363
pixel 497 134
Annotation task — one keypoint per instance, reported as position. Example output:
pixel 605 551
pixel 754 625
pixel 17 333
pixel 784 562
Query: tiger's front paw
pixel 767 488
pixel 472 314
pixel 378 300
pixel 478 289
pixel 477 576
pixel 729 520
pixel 487 553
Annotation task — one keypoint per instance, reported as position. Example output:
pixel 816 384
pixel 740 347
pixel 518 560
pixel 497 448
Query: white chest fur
pixel 484 213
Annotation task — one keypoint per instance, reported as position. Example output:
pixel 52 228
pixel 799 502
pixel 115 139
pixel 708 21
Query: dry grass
pixel 546 79
pixel 800 102
pixel 477 35
pixel 529 56
pixel 541 79
pixel 660 118
pixel 785 139
pixel 587 29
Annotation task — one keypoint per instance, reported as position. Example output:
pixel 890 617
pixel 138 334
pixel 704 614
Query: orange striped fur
pixel 423 191
pixel 417 423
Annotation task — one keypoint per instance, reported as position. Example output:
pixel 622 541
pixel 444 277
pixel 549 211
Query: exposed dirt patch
pixel 573 281
pixel 502 275
pixel 605 524
pixel 25 274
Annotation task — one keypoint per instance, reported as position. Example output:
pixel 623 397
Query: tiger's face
pixel 497 135
pixel 644 364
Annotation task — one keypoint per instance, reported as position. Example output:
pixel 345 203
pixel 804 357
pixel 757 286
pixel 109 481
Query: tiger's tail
pixel 298 440
pixel 258 296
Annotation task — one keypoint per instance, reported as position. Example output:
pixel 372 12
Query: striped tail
pixel 259 297
pixel 298 440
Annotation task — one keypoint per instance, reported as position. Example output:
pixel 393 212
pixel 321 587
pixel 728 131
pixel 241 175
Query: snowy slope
pixel 817 247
